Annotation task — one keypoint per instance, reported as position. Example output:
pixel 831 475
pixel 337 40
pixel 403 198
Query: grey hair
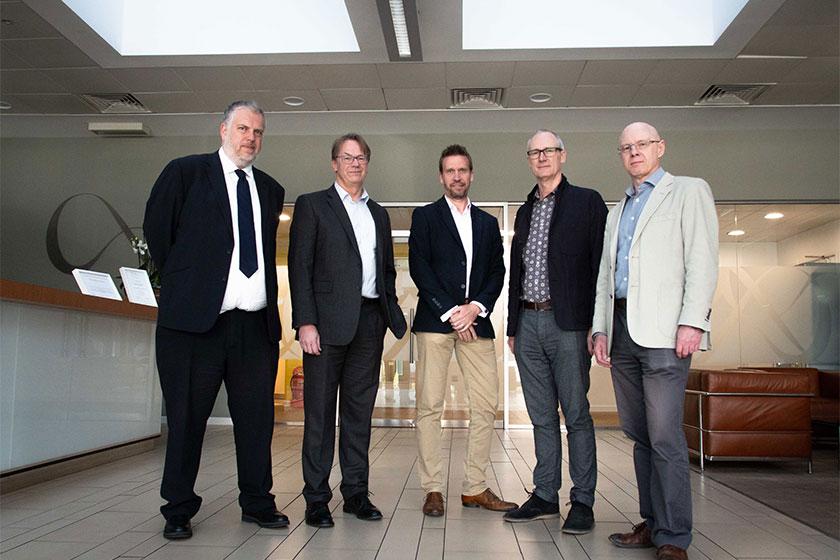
pixel 248 104
pixel 547 131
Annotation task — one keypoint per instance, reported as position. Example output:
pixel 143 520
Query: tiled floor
pixel 111 512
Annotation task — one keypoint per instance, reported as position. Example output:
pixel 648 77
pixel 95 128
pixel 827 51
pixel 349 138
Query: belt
pixel 370 300
pixel 537 305
pixel 620 303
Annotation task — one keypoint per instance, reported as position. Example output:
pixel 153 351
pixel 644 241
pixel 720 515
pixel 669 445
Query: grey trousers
pixel 649 391
pixel 554 367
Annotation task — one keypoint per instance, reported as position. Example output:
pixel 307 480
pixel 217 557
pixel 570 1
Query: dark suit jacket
pixel 438 266
pixel 189 229
pixel 575 242
pixel 325 268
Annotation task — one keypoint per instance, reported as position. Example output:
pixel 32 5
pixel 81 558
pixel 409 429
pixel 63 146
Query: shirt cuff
pixel 445 317
pixel 481 308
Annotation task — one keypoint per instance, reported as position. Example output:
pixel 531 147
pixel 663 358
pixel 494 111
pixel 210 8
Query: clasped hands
pixel 462 321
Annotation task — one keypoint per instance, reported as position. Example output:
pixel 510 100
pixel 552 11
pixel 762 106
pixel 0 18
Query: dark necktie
pixel 247 239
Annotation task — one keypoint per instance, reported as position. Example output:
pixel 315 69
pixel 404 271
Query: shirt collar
pixel 454 208
pixel 229 167
pixel 651 182
pixel 344 195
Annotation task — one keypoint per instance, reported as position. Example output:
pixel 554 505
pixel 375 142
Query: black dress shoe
pixel 269 519
pixel 318 515
pixel 360 506
pixel 177 528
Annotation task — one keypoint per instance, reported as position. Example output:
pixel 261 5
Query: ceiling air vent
pixel 115 103
pixel 732 94
pixel 477 98
pixel 119 129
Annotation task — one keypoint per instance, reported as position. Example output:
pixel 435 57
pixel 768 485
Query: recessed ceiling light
pixel 539 97
pixel 293 101
pixel 736 232
pixel 284 217
pixel 774 216
pixel 5 21
pixel 5 105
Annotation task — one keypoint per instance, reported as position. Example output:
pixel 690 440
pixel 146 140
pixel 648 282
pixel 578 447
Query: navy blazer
pixel 438 266
pixel 575 242
pixel 189 230
pixel 325 268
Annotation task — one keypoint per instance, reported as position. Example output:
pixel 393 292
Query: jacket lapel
pixel 262 194
pixel 338 207
pixel 445 216
pixel 477 232
pixel 219 189
pixel 659 194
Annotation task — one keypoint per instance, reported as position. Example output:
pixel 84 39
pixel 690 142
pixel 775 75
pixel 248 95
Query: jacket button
pixel 463 263
pixel 463 286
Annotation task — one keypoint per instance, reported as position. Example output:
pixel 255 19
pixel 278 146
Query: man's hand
pixel 600 351
pixel 310 340
pixel 464 316
pixel 590 344
pixel 511 343
pixel 467 335
pixel 688 340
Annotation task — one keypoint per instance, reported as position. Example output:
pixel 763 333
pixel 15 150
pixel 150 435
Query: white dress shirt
pixel 242 292
pixel 365 231
pixel 463 223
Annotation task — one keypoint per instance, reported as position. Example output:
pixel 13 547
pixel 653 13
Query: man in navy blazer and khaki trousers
pixel 210 223
pixel 455 259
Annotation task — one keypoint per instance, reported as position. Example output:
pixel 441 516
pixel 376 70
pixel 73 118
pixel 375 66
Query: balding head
pixel 638 128
pixel 641 148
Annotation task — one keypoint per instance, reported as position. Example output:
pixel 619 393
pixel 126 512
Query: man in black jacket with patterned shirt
pixel 558 237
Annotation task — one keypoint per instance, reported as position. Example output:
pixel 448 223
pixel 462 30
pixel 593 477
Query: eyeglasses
pixel 640 145
pixel 348 159
pixel 547 152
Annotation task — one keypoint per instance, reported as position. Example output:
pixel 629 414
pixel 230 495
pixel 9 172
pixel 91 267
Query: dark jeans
pixel 355 369
pixel 192 367
pixel 554 367
pixel 649 391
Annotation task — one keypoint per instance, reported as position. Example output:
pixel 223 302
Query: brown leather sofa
pixel 748 415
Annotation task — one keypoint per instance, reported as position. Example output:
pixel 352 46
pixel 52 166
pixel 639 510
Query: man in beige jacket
pixel 652 312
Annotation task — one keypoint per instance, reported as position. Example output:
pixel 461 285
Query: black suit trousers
pixel 354 369
pixel 192 367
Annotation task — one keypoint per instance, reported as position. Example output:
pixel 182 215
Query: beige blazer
pixel 673 265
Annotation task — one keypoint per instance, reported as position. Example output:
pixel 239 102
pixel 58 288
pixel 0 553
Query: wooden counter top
pixel 51 297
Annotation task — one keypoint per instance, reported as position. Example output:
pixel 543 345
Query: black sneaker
pixel 534 508
pixel 580 519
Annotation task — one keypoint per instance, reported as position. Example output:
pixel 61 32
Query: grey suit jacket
pixel 325 268
pixel 673 265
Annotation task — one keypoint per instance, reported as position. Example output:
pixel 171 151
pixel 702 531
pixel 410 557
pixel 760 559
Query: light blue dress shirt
pixel 636 201
pixel 365 232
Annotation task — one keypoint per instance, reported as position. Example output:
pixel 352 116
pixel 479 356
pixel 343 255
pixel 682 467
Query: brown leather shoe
pixel 671 552
pixel 487 500
pixel 433 506
pixel 638 538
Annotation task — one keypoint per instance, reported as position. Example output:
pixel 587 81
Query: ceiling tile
pixel 604 72
pixel 49 53
pixel 517 97
pixel 59 103
pixel 26 24
pixel 170 102
pixel 18 104
pixel 355 99
pixel 9 60
pixel 801 40
pixel 685 71
pixel 479 74
pixel 547 72
pixel 214 78
pixel 603 96
pixel 798 94
pixel 279 77
pixel 805 12
pixel 217 101
pixel 819 69
pixel 148 80
pixel 412 75
pixel 679 95
pixel 417 98
pixel 28 80
pixel 273 100
pixel 86 80
pixel 345 76
pixel 756 70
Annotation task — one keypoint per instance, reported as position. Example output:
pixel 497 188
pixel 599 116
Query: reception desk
pixel 77 375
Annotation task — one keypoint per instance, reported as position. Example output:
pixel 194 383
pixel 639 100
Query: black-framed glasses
pixel 547 152
pixel 348 159
pixel 640 145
